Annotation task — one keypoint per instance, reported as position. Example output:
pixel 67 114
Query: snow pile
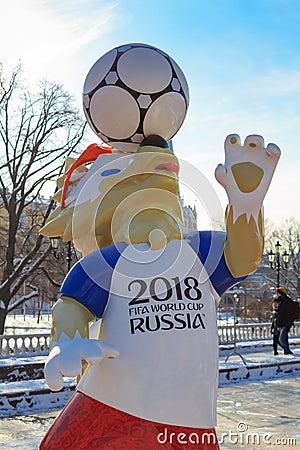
pixel 27 324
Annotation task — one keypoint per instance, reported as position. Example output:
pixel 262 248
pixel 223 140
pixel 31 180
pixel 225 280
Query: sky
pixel 241 59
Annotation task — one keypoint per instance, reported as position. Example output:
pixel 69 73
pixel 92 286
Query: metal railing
pixel 39 344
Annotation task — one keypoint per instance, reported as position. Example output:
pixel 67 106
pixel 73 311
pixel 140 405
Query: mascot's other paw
pixel 247 165
pixel 65 359
pixel 247 172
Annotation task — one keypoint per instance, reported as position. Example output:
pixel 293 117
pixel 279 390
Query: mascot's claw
pixel 65 359
pixel 247 172
pixel 251 161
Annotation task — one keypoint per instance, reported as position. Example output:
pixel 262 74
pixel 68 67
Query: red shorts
pixel 86 424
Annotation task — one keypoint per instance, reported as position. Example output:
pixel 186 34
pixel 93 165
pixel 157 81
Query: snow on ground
pixel 20 324
pixel 264 414
pixel 12 360
pixel 260 365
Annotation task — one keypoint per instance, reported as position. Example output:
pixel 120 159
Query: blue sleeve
pixel 209 245
pixel 89 280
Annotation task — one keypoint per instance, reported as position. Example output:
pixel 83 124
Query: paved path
pixel 258 416
pixel 266 414
pixel 262 414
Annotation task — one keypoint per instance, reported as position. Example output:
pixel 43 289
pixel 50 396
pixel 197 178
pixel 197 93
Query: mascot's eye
pixel 108 172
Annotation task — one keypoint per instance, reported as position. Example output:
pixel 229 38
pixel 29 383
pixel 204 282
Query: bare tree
pixel 288 235
pixel 37 131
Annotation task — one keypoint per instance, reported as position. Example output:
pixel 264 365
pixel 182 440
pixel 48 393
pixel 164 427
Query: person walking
pixel 284 319
pixel 274 327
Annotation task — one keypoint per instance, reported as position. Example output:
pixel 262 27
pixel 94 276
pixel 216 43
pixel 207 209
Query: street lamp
pixel 55 245
pixel 274 260
pixel 236 301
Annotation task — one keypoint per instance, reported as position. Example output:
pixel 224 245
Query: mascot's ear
pixel 154 141
pixel 90 154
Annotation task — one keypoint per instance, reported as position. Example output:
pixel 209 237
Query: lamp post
pixel 275 260
pixel 236 301
pixel 68 256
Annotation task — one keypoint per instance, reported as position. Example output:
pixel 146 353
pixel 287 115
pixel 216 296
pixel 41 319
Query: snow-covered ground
pixel 28 324
pixel 264 414
pixel 265 384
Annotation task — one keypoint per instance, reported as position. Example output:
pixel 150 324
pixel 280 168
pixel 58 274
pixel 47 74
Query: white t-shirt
pixel 161 316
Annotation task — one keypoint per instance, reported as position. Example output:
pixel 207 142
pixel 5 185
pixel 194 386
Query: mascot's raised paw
pixel 247 172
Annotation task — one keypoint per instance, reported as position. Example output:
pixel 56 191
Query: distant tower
pixel 189 214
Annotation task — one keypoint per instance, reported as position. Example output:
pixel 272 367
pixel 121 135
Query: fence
pixel 24 344
pixel 39 344
pixel 250 332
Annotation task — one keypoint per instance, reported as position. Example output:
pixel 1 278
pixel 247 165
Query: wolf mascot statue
pixel 151 371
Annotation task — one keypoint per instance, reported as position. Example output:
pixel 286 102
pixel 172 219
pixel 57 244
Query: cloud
pixel 42 32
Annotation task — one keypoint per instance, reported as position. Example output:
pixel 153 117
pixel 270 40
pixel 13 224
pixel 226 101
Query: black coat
pixel 285 312
pixel 274 323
